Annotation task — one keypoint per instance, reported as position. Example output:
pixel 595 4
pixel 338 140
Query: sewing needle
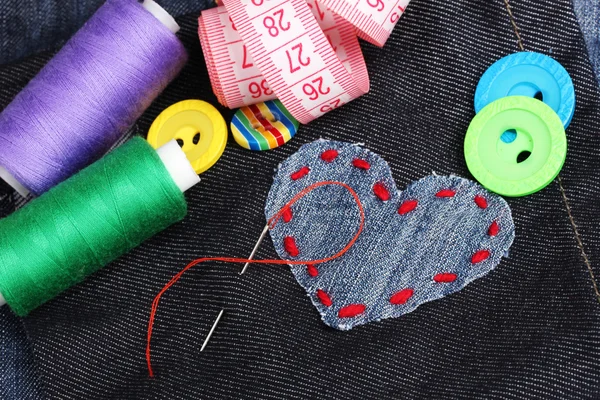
pixel 260 239
pixel 212 330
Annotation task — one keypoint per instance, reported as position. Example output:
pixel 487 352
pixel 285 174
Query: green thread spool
pixel 86 222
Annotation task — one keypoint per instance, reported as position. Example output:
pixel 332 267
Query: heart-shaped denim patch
pixel 419 245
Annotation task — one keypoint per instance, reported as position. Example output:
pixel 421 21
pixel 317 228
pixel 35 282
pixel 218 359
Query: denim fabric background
pixel 393 252
pixel 18 375
pixel 588 14
pixel 528 329
pixel 30 26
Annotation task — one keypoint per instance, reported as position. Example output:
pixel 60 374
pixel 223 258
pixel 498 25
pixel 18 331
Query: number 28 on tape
pixel 296 50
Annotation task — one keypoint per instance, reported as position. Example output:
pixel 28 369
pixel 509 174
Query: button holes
pixel 539 96
pixel 524 155
pixel 196 138
pixel 509 136
pixel 180 142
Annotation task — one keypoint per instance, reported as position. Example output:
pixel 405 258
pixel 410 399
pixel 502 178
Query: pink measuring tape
pixel 298 51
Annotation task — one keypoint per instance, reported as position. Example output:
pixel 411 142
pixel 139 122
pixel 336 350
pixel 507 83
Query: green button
pixel 529 160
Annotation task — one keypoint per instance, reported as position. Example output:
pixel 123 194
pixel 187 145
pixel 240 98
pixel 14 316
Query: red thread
pixel 481 202
pixel 287 215
pixel 445 193
pixel 362 164
pixel 480 256
pixel 444 278
pixel 402 296
pixel 352 310
pixel 272 223
pixel 329 155
pixel 301 173
pixel 381 192
pixel 324 298
pixel 494 229
pixel 407 206
pixel 289 244
pixel 312 270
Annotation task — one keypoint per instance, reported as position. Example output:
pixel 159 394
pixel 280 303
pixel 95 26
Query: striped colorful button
pixel 263 126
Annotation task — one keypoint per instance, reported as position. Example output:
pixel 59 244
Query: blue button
pixel 528 74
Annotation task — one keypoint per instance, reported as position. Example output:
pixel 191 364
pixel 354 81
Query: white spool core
pixel 178 165
pixel 160 14
pixel 2 301
pixel 8 178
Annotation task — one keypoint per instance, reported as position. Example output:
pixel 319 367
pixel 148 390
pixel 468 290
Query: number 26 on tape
pixel 313 91
pixel 274 27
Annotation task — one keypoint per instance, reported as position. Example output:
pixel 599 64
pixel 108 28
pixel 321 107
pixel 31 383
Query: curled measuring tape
pixel 296 50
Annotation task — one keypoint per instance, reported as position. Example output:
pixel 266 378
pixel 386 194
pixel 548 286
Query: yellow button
pixel 197 126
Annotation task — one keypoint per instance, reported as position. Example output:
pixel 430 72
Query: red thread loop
pixel 494 229
pixel 301 173
pixel 289 243
pixel 312 271
pixel 351 310
pixel 329 155
pixel 381 192
pixel 480 256
pixel 481 202
pixel 407 206
pixel 402 296
pixel 272 222
pixel 361 164
pixel 444 277
pixel 445 193
pixel 324 298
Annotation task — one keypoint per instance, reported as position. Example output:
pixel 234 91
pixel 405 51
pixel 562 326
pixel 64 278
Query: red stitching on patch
pixel 329 155
pixel 324 298
pixel 407 206
pixel 381 192
pixel 312 270
pixel 287 215
pixel 445 193
pixel 444 277
pixel 402 296
pixel 351 310
pixel 301 173
pixel 362 164
pixel 289 244
pixel 481 202
pixel 494 229
pixel 480 256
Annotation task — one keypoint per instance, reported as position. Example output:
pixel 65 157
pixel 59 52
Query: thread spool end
pixel 178 165
pixel 162 15
pixel 12 181
pixel 2 301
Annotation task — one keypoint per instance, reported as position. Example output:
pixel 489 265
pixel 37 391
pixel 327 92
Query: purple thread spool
pixel 89 94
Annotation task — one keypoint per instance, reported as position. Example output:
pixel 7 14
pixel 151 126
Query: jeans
pixel 395 254
pixel 588 14
pixel 18 374
pixel 528 329
pixel 31 26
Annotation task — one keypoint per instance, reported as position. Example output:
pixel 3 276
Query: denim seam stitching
pixel 577 235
